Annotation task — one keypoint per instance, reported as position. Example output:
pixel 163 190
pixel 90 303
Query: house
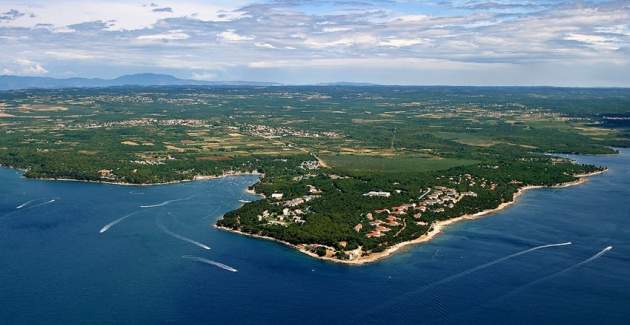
pixel 377 194
pixel 294 202
pixel 313 190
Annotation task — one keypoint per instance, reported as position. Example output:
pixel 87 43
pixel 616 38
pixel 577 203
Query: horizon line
pixel 284 84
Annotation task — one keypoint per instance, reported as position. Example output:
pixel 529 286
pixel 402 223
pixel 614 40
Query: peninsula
pixel 347 174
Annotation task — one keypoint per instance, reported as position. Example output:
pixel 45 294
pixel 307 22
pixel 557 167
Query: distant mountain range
pixel 142 79
pixel 347 83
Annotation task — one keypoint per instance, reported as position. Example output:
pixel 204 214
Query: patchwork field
pixel 368 165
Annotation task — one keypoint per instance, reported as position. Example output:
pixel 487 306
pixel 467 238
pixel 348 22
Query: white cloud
pixel 413 18
pixel 402 42
pixel 615 29
pixel 29 67
pixel 172 35
pixel 411 63
pixel 126 15
pixel 208 76
pixel 264 45
pixel 232 36
pixel 362 39
pixel 71 55
pixel 335 29
pixel 118 35
pixel 596 41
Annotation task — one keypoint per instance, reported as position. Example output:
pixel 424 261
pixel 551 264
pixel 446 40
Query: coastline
pixel 194 179
pixel 436 228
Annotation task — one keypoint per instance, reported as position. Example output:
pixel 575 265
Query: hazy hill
pixel 142 79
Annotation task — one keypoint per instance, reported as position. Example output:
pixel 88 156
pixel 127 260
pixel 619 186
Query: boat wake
pixel 180 237
pixel 113 223
pixel 464 273
pixel 553 275
pixel 483 266
pixel 210 262
pixel 523 287
pixel 161 204
pixel 25 204
pixel 40 204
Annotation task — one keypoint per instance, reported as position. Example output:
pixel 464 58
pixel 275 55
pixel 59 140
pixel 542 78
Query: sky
pixel 408 42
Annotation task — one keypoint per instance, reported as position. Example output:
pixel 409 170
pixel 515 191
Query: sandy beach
pixel 436 229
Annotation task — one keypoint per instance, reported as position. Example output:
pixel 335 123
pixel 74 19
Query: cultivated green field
pixel 358 165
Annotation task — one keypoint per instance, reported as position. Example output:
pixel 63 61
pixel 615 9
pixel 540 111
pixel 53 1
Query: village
pixel 381 222
pixel 435 199
pixel 292 210
pixel 143 122
pixel 269 132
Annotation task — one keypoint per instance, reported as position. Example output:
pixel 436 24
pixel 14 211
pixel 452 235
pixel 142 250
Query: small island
pixel 347 174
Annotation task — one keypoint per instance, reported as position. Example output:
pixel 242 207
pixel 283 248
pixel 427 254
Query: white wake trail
pixel 113 223
pixel 533 283
pixel 483 266
pixel 45 203
pixel 210 262
pixel 180 237
pixel 24 204
pixel 161 204
pixel 553 275
pixel 464 273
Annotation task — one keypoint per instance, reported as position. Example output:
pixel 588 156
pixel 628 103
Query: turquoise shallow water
pixel 55 266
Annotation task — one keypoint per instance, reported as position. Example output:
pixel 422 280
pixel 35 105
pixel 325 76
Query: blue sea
pixel 58 265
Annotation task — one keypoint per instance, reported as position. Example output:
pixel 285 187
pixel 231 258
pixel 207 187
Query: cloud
pixel 411 63
pixel 402 42
pixel 12 14
pixel 126 15
pixel 208 76
pixel 71 55
pixel 232 36
pixel 29 67
pixel 165 9
pixel 264 45
pixel 596 41
pixel 91 26
pixel 335 29
pixel 488 5
pixel 622 30
pixel 172 35
pixel 275 39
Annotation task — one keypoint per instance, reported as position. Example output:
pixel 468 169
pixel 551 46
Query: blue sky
pixel 456 42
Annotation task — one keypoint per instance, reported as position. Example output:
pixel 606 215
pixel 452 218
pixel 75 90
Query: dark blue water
pixel 56 268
